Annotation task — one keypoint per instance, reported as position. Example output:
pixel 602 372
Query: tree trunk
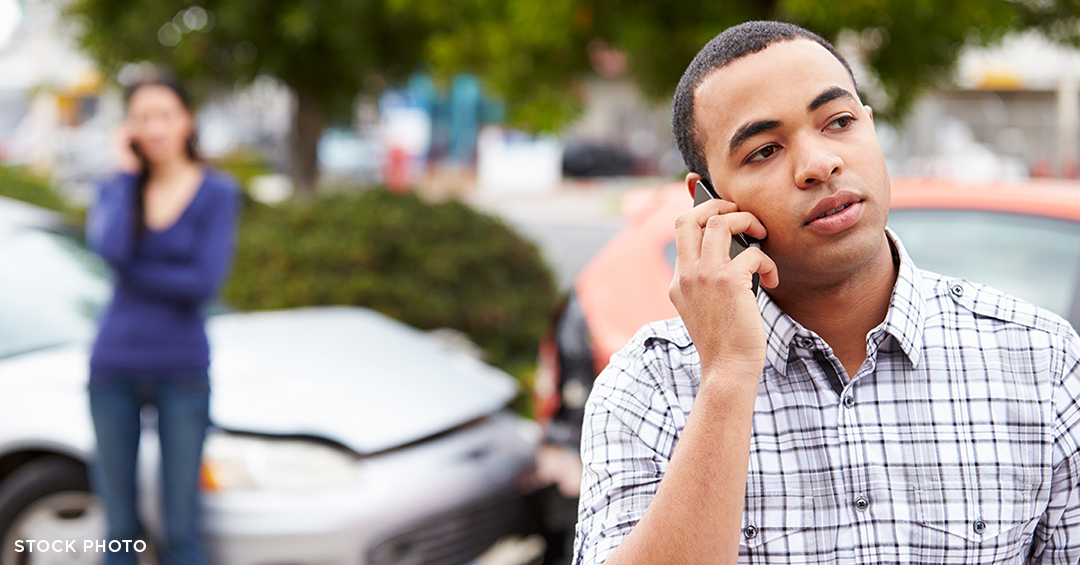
pixel 307 127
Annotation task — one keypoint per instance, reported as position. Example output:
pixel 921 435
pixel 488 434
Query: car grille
pixel 452 538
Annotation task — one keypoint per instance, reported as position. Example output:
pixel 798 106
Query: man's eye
pixel 761 154
pixel 843 122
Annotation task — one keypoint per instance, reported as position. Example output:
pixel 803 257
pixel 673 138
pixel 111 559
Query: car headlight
pixel 249 462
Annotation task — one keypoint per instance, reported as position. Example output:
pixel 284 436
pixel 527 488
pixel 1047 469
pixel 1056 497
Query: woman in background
pixel 166 224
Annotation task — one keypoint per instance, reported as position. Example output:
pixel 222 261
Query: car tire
pixel 48 499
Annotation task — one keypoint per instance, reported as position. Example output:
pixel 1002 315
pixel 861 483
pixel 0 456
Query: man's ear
pixel 869 112
pixel 691 182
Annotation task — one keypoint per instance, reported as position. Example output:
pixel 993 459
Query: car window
pixel 1034 258
pixel 51 290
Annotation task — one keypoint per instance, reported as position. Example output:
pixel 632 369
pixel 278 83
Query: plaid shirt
pixel 955 442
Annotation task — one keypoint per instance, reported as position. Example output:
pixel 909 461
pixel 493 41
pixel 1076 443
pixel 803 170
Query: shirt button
pixel 750 531
pixel 980 527
pixel 806 343
pixel 849 401
pixel 957 290
pixel 861 504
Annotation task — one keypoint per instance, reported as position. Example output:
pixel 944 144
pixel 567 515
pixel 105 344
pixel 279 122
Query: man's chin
pixel 833 263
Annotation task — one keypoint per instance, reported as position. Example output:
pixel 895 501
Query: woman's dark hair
pixel 172 82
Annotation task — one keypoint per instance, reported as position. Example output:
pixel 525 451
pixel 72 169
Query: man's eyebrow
pixel 754 128
pixel 828 96
pixel 750 130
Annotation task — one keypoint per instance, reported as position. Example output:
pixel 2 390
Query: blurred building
pixel 1012 112
pixel 620 131
pixel 57 111
pixel 52 115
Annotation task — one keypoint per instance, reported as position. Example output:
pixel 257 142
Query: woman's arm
pixel 197 280
pixel 110 228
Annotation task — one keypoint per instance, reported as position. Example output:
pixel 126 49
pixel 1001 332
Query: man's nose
pixel 817 161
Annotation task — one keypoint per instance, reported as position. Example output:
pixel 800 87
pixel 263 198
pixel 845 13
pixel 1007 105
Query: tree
pixel 535 53
pixel 531 52
pixel 327 51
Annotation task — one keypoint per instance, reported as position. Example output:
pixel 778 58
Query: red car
pixel 1023 238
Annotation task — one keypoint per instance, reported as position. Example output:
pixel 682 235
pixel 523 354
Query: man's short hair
pixel 733 43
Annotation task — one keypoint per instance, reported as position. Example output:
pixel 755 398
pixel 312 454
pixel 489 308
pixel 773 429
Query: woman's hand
pixel 123 151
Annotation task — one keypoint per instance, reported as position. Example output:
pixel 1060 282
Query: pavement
pixel 569 223
pixel 513 550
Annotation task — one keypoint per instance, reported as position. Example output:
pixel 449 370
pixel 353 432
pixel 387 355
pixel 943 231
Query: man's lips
pixel 832 205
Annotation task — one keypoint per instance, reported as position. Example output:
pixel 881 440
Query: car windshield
pixel 1034 258
pixel 51 291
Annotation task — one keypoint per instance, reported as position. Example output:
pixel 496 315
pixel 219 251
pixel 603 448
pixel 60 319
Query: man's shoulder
pixel 982 301
pixel 659 352
pixel 655 376
pixel 671 331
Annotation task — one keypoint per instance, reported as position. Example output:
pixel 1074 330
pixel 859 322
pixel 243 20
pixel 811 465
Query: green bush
pixel 428 265
pixel 243 164
pixel 19 184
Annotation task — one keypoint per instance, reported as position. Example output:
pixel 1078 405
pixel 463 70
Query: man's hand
pixel 712 292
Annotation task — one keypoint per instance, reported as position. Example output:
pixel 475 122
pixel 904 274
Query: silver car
pixel 341 436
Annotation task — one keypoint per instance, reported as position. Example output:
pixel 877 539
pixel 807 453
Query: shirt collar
pixel 904 320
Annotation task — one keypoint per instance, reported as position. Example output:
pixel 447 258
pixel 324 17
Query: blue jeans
pixel 182 399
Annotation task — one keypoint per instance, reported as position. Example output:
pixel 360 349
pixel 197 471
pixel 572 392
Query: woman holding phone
pixel 166 224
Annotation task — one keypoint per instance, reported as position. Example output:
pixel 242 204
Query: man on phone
pixel 857 409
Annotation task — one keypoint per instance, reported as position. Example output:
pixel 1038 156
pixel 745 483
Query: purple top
pixel 155 320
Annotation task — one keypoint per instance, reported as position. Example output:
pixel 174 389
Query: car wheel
pixel 48 499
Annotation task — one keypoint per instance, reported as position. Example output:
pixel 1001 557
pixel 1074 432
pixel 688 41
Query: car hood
pixel 346 374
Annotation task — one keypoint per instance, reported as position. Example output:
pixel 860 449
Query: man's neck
pixel 844 312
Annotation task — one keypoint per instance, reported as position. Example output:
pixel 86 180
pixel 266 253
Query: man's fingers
pixel 687 238
pixel 745 222
pixel 689 226
pixel 754 260
pixel 703 235
pixel 716 239
pixel 702 212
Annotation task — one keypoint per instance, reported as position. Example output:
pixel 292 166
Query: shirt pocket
pixel 983 524
pixel 778 524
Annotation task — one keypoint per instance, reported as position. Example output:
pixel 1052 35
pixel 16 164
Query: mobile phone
pixel 739 242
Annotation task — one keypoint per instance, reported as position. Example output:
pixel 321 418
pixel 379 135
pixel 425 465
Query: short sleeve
pixel 630 429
